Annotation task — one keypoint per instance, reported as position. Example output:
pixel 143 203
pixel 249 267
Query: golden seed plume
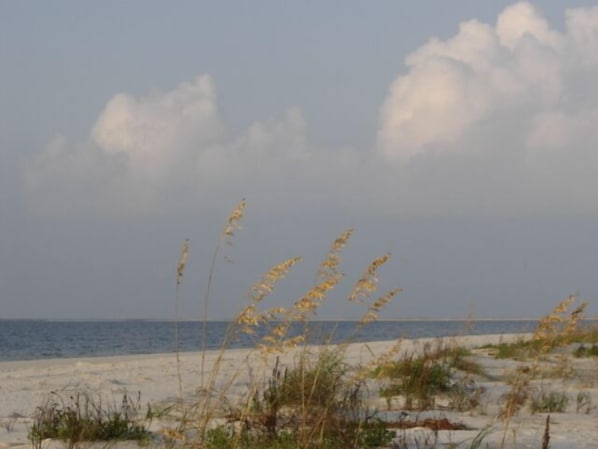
pixel 180 269
pixel 330 264
pixel 234 219
pixel 265 286
pixel 558 327
pixel 375 308
pixel 368 283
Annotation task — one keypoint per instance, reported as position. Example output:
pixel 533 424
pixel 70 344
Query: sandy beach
pixel 153 379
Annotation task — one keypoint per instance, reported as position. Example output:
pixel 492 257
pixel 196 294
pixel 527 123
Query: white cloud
pixel 493 120
pixel 138 156
pixel 164 151
pixel 155 132
pixel 500 119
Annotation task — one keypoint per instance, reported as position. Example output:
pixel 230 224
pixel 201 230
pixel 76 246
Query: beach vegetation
pixel 293 390
pixel 584 351
pixel 420 377
pixel 519 392
pixel 563 326
pixel 315 401
pixel 584 402
pixel 82 416
pixel 548 402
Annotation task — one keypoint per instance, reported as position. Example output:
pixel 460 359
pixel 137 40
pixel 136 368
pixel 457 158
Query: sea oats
pixel 234 220
pixel 329 266
pixel 368 283
pixel 309 303
pixel 377 305
pixel 265 286
pixel 180 269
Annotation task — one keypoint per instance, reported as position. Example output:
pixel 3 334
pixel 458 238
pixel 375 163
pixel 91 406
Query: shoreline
pixel 133 356
pixel 24 385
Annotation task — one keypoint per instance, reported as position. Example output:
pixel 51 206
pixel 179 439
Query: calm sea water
pixel 33 339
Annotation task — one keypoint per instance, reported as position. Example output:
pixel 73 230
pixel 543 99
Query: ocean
pixel 41 339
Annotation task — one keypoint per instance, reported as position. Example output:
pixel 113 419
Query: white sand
pixel 25 385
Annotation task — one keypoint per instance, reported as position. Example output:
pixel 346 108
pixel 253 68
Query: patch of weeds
pixel 81 417
pixel 516 350
pixel 519 393
pixel 8 424
pixel 420 378
pixel 548 402
pixel 587 334
pixel 583 402
pixel 465 395
pixel 583 351
pixel 316 403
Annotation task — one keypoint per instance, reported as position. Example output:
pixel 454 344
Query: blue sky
pixel 461 140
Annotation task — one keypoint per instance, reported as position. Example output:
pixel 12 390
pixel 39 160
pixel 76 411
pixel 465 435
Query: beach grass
pixel 287 392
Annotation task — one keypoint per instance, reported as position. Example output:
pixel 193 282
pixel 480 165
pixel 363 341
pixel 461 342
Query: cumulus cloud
pixel 500 119
pixel 167 150
pixel 138 155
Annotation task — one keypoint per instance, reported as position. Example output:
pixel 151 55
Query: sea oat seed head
pixel 234 219
pixel 180 269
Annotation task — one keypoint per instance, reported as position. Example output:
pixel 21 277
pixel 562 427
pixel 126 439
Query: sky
pixel 461 140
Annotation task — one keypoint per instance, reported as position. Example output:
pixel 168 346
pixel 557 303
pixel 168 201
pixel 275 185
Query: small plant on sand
pixel 466 395
pixel 548 402
pixel 520 349
pixel 419 377
pixel 519 393
pixel 583 351
pixel 82 417
pixel 583 402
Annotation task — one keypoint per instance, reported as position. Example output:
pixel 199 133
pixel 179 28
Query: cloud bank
pixel 499 120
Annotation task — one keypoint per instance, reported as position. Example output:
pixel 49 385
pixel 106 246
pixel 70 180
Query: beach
pixel 154 379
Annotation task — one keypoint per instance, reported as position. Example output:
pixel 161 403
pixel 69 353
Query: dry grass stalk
pixel 234 221
pixel 180 269
pixel 559 326
pixel 368 283
pixel 265 286
pixel 375 308
pixel 233 224
pixel 327 278
pixel 328 268
pixel 546 437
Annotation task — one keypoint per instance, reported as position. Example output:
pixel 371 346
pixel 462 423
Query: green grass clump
pixel 516 350
pixel 420 378
pixel 81 417
pixel 583 351
pixel 548 402
pixel 317 403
